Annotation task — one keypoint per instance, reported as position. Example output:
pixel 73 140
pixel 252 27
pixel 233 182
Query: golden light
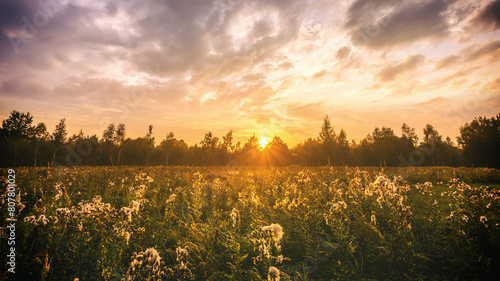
pixel 263 142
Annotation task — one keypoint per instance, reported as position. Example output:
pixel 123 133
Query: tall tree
pixel 327 138
pixel 409 134
pixel 480 140
pixel 108 142
pixel 16 130
pixel 432 144
pixel 40 134
pixel 228 141
pixel 168 145
pixel 58 137
pixel 342 147
pixel 119 137
pixel 410 140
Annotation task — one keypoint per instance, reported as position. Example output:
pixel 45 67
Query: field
pixel 244 223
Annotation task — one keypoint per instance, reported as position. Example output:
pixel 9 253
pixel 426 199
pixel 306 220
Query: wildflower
pixel 452 214
pixel 149 261
pixel 380 180
pixel 43 219
pixel 128 213
pixel 273 274
pixel 279 259
pixel 97 199
pixel 171 198
pixel 126 234
pixel 30 219
pixel 59 190
pixel 63 211
pixel 182 255
pixel 465 218
pixel 276 231
pixel 135 206
pixel 343 204
pixel 483 219
pixel 234 216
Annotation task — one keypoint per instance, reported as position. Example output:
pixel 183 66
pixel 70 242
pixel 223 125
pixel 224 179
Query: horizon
pixel 258 67
pixel 158 138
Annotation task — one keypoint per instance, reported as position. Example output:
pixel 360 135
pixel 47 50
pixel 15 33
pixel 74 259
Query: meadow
pixel 251 223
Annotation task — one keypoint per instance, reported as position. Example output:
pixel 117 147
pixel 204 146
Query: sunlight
pixel 263 142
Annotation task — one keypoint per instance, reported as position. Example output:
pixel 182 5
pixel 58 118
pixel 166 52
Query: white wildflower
pixel 128 213
pixel 135 206
pixel 373 219
pixel 273 274
pixel 182 255
pixel 171 198
pixel 43 219
pixel 276 231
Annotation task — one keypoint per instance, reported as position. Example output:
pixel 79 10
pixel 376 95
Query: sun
pixel 263 142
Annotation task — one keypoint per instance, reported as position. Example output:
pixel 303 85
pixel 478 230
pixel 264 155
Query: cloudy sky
pixel 269 67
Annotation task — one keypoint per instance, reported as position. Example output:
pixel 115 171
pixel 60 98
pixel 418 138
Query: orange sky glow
pixel 263 67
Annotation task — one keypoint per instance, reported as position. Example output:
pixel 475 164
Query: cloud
pixel 343 53
pixel 447 61
pixel 488 17
pixel 487 50
pixel 390 72
pixel 385 24
pixel 434 101
pixel 252 57
pixel 319 74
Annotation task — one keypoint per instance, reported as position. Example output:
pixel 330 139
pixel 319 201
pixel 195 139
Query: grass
pixel 208 223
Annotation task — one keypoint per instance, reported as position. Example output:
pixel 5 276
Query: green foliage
pixel 219 223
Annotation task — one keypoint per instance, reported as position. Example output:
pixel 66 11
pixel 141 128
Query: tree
pixel 409 134
pixel 342 147
pixel 118 139
pixel 17 129
pixel 410 139
pixel 168 145
pixel 58 137
pixel 480 140
pixel 228 141
pixel 384 143
pixel 327 138
pixel 112 142
pixel 432 144
pixel 40 134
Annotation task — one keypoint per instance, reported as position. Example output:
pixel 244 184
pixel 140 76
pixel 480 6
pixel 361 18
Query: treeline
pixel 22 143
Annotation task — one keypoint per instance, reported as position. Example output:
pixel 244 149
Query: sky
pixel 267 67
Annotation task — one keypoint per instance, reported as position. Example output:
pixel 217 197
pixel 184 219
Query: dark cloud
pixel 489 16
pixel 407 22
pixel 343 53
pixel 490 49
pixel 390 72
pixel 447 61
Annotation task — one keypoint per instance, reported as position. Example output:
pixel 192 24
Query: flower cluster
pixel 145 265
pixel 182 255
